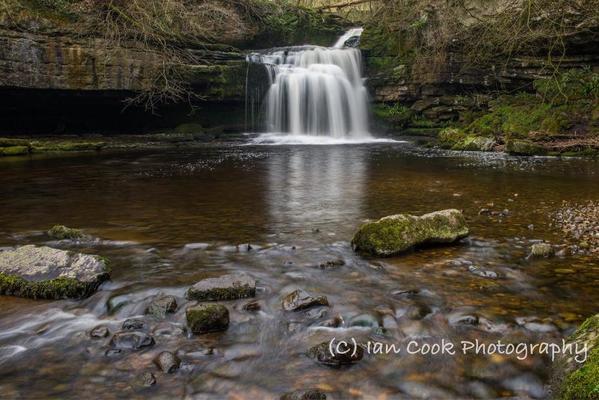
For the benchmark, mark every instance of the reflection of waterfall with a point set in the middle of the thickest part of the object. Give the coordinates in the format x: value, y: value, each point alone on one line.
x: 316, y: 90
x: 316, y: 185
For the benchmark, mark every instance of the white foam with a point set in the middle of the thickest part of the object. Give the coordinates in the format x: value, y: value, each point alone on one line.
x: 277, y: 139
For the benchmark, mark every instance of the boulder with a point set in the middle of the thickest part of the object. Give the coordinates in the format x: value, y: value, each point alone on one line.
x: 61, y: 232
x: 342, y: 355
x: 578, y: 378
x: 162, y: 305
x: 300, y: 300
x: 398, y: 233
x: 205, y: 318
x: 226, y: 287
x: 47, y: 273
x: 167, y: 362
x: 524, y: 148
x: 541, y: 250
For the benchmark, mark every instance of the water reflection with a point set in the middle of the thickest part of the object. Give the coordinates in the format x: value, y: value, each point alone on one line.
x: 308, y: 186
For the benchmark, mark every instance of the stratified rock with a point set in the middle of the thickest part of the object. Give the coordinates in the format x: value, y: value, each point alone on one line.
x: 47, y: 273
x: 226, y: 287
x: 342, y: 355
x: 162, y: 305
x: 541, y: 250
x: 99, y: 332
x: 301, y: 300
x: 305, y: 394
x: 578, y: 378
x: 133, y: 324
x: 205, y: 318
x: 61, y: 232
x: 398, y: 233
x: 131, y: 340
x: 167, y: 362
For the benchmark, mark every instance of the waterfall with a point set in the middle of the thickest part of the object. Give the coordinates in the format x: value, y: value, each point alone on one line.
x: 316, y: 91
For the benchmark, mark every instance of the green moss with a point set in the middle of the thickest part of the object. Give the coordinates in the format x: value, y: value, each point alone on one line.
x: 398, y: 115
x: 60, y: 288
x: 8, y: 142
x: 206, y: 318
x: 45, y: 147
x: 14, y: 151
x: 583, y: 383
x: 61, y: 232
x: 399, y: 233
x: 524, y: 148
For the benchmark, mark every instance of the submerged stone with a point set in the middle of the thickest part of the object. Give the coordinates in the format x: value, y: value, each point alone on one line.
x: 147, y: 379
x: 61, y: 232
x: 99, y: 332
x: 133, y: 324
x: 304, y: 394
x: 300, y: 300
x: 131, y: 340
x: 399, y: 233
x: 205, y: 318
x: 47, y: 273
x: 162, y: 305
x: 226, y: 287
x: 167, y: 362
x: 341, y: 355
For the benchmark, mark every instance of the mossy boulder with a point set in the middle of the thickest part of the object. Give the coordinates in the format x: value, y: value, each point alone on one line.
x: 524, y: 148
x: 399, y: 233
x: 226, y: 287
x: 575, y: 380
x: 61, y: 232
x: 205, y: 318
x: 47, y: 273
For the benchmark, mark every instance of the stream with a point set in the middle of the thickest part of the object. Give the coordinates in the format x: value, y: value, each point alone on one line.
x: 166, y: 220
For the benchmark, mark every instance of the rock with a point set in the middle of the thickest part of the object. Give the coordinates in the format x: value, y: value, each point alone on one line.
x: 331, y: 264
x: 307, y: 394
x: 99, y: 332
x: 205, y: 318
x: 131, y: 340
x: 483, y: 273
x: 364, y: 320
x: 167, y: 362
x: 252, y: 306
x: 334, y: 322
x: 524, y: 148
x: 168, y: 329
x: 61, y: 232
x: 301, y: 300
x: 541, y: 250
x: 47, y: 273
x: 342, y: 354
x: 162, y: 305
x: 577, y: 378
x: 226, y: 287
x: 147, y: 379
x: 133, y: 324
x: 398, y: 233
x: 418, y: 311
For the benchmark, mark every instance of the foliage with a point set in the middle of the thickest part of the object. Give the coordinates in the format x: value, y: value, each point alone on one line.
x: 398, y: 114
x: 574, y: 84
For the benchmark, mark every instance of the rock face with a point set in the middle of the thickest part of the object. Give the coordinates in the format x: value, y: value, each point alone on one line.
x: 47, y: 273
x: 226, y: 287
x: 573, y: 379
x: 206, y: 318
x: 342, y: 355
x: 301, y: 300
x: 398, y: 233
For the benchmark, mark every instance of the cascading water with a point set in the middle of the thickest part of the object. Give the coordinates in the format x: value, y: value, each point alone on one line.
x: 316, y: 91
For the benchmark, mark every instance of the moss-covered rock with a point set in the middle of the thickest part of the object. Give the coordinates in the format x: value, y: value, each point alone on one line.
x: 458, y: 139
x: 541, y: 250
x: 61, y: 232
x: 14, y: 151
x: 226, y: 287
x: 47, y: 273
x: 398, y: 233
x: 205, y: 318
x: 524, y: 148
x: 572, y: 379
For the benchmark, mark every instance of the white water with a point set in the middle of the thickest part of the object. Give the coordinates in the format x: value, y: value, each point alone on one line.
x: 316, y: 94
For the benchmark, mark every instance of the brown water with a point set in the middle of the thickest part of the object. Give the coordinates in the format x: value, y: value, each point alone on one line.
x: 298, y: 206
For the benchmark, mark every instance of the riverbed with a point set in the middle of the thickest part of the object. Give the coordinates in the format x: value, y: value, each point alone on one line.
x: 168, y: 219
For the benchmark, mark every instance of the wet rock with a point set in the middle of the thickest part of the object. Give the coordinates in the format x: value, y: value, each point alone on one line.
x: 541, y: 250
x: 483, y: 273
x: 577, y: 378
x: 205, y: 318
x: 131, y: 340
x: 398, y: 233
x: 147, y: 379
x: 167, y: 362
x: 168, y: 329
x: 133, y: 324
x: 364, y: 320
x: 47, y: 273
x: 113, y: 352
x: 335, y: 322
x: 406, y: 293
x: 301, y: 300
x: 331, y: 264
x: 463, y: 319
x: 99, y: 332
x: 162, y: 305
x: 306, y: 394
x: 341, y: 355
x: 252, y: 306
x: 418, y: 311
x: 61, y: 232
x: 524, y: 148
x: 226, y: 287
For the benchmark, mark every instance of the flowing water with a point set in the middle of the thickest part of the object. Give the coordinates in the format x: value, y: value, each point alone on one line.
x: 167, y: 220
x: 316, y: 91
